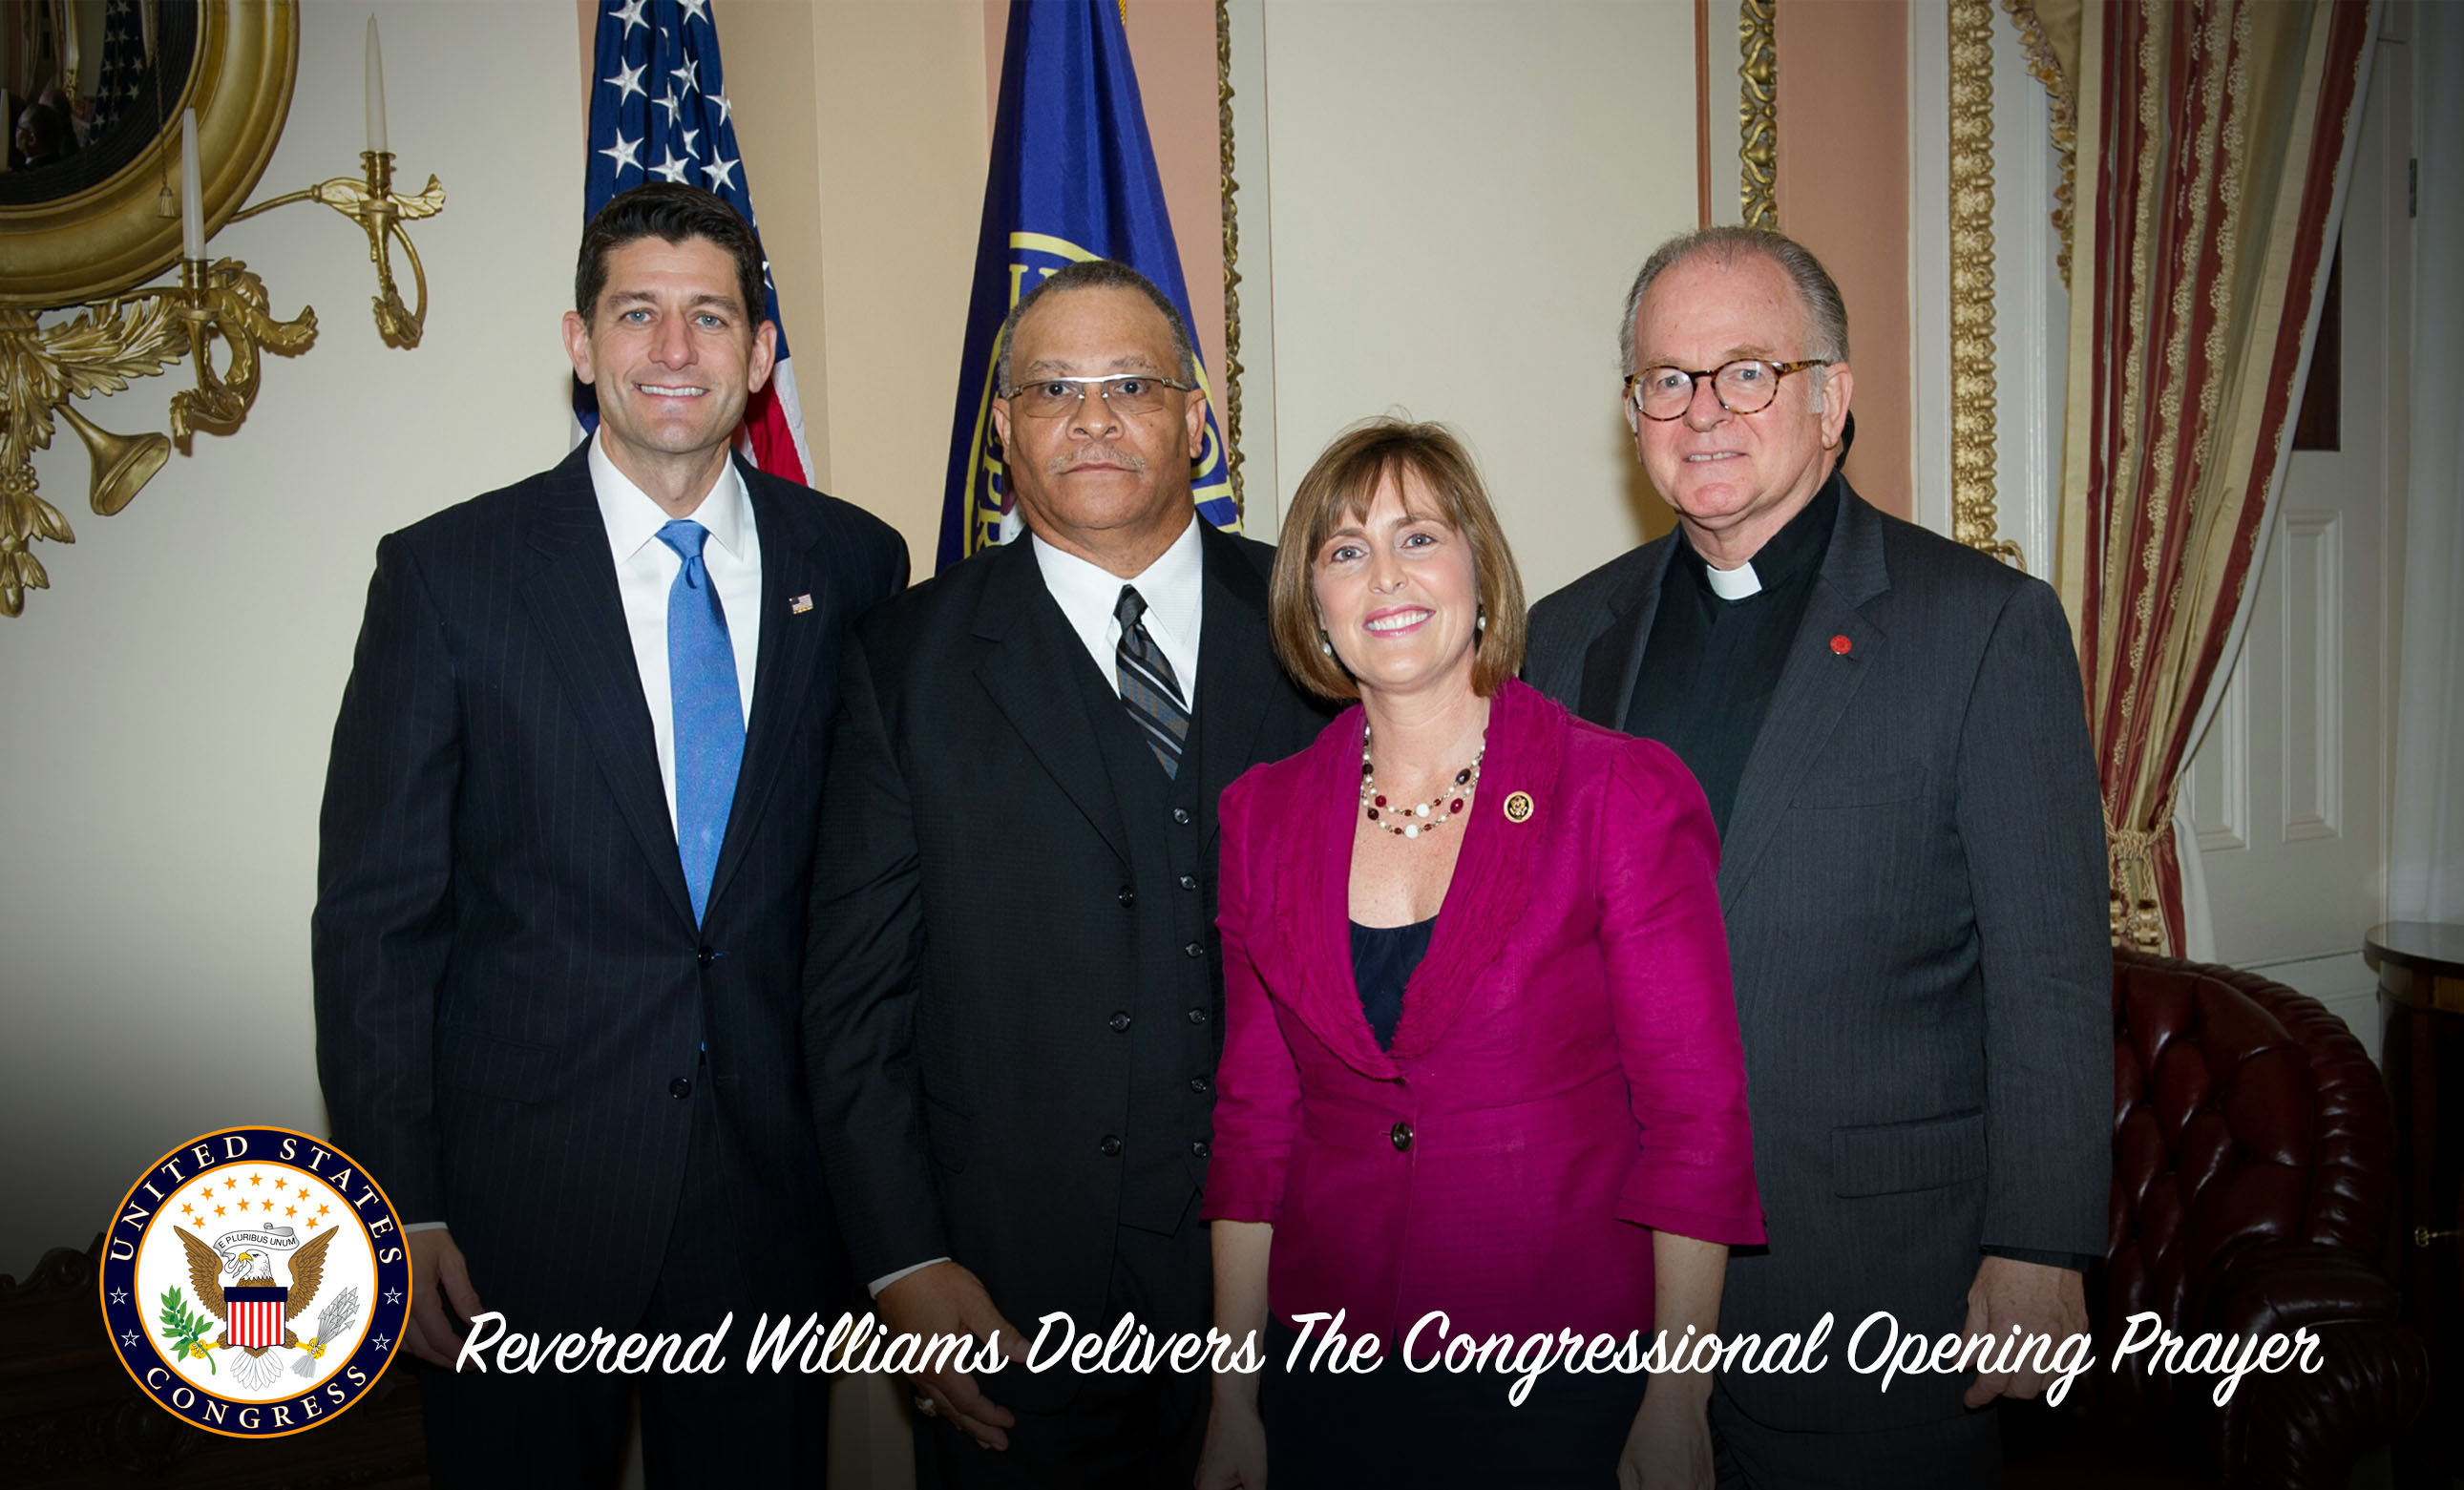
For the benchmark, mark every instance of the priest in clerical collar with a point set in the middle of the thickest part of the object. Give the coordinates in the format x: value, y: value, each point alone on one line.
x: 1889, y: 729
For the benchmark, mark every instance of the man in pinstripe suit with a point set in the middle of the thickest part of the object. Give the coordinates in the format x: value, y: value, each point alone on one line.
x: 567, y: 835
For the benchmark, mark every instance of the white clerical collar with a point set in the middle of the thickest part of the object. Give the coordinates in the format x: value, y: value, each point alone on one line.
x: 632, y: 519
x: 1734, y: 584
x: 1172, y: 587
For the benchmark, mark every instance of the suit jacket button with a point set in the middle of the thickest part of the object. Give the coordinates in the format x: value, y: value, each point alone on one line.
x: 1120, y: 1021
x: 1198, y: 1149
x: 1196, y: 1016
x: 681, y: 1087
x: 707, y: 956
x: 1111, y: 1146
x: 1196, y: 949
x: 1400, y: 1135
x: 1128, y: 897
x: 1199, y: 1084
x: 1189, y: 882
x: 1180, y: 814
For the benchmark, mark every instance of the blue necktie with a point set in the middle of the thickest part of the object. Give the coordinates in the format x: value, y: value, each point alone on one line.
x: 709, y: 711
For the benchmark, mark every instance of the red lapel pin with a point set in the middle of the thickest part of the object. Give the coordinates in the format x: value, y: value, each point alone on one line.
x: 1839, y: 645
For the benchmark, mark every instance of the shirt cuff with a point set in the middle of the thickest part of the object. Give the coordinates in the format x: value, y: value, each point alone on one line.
x: 875, y: 1287
x: 2076, y: 1262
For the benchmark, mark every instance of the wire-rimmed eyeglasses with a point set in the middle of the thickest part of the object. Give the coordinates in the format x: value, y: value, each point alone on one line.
x: 1124, y: 393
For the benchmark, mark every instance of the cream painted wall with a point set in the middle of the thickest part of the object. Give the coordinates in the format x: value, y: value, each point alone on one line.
x: 1457, y: 208
x: 862, y: 128
x: 171, y: 696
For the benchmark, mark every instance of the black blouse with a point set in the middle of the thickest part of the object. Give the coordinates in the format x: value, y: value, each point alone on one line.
x: 1382, y: 961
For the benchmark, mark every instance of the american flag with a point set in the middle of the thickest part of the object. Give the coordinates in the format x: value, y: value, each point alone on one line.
x: 123, y: 63
x: 255, y: 1315
x: 659, y: 111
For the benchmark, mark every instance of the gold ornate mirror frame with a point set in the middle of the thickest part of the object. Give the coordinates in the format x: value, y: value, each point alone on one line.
x: 112, y: 236
x: 95, y: 252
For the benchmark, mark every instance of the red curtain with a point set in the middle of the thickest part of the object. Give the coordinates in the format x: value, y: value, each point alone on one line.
x: 2213, y: 144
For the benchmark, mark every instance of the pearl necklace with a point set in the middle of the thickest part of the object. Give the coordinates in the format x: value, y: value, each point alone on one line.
x: 1410, y: 822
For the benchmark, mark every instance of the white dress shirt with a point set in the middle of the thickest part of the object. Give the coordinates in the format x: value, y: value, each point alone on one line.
x: 1174, y: 587
x: 646, y: 568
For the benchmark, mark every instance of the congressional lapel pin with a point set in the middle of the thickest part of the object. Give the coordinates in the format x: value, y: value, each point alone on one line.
x: 1840, y: 644
x: 1518, y: 807
x: 800, y: 605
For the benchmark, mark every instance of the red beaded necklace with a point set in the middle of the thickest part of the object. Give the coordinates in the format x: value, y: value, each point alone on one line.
x: 1412, y: 820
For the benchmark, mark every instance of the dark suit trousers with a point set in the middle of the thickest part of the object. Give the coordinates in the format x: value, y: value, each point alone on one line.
x: 1962, y: 1453
x: 548, y: 1429
x: 1120, y: 1431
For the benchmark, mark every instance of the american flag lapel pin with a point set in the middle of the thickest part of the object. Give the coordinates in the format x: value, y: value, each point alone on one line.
x: 800, y: 605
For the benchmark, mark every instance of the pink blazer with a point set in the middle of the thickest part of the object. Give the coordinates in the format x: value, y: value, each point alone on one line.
x: 1566, y: 1074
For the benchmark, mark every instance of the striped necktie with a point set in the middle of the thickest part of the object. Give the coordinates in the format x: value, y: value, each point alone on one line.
x: 1149, y: 691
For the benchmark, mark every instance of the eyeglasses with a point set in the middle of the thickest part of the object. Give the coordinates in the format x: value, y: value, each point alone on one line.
x: 1059, y: 398
x: 1745, y: 386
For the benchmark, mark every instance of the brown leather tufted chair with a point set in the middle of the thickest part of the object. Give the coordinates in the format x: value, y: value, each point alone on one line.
x: 2253, y: 1189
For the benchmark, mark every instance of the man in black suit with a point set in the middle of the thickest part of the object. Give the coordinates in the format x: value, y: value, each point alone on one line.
x: 1889, y: 729
x: 1013, y: 996
x: 567, y: 834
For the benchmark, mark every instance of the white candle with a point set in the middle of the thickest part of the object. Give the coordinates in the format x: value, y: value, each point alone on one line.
x: 376, y: 91
x: 192, y: 196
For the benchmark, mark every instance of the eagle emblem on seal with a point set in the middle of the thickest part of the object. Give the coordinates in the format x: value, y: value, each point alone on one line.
x: 236, y: 1283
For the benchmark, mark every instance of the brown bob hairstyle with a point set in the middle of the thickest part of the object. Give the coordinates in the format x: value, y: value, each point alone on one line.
x: 1340, y: 488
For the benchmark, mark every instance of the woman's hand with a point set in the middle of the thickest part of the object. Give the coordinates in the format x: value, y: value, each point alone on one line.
x: 1670, y: 1445
x: 1235, y: 1456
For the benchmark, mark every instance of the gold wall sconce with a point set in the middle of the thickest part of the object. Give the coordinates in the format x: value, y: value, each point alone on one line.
x: 85, y: 234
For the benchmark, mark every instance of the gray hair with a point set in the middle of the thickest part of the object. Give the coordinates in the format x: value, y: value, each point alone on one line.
x: 1826, y: 314
x: 1096, y: 274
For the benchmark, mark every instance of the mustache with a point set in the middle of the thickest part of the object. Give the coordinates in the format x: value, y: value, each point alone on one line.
x: 1095, y: 455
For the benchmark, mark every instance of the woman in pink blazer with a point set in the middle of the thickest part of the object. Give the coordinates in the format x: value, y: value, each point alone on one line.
x: 1480, y: 1074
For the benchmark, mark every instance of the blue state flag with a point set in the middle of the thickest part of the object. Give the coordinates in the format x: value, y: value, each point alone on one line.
x: 1072, y: 178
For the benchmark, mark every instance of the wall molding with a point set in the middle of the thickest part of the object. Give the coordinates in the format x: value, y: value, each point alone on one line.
x: 1929, y: 268
x: 2031, y: 313
x: 1758, y: 113
x: 1974, y: 412
x: 2062, y: 124
x: 2217, y: 785
x: 2312, y: 617
x: 1231, y: 258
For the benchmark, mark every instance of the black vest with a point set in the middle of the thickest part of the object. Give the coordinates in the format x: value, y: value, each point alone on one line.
x: 1173, y: 1017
